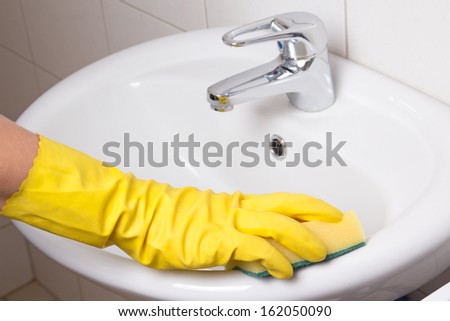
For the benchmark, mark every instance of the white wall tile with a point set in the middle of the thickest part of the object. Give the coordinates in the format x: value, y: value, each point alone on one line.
x: 127, y: 26
x: 405, y: 39
x: 237, y: 12
x: 15, y: 267
x: 60, y: 281
x: 188, y: 15
x: 65, y: 35
x: 91, y: 291
x: 18, y: 85
x: 12, y: 28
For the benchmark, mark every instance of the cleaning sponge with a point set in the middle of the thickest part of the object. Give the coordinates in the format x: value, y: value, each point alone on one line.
x: 339, y: 238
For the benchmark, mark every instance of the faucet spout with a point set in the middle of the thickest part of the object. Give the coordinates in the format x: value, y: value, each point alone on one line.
x: 307, y: 83
x: 242, y: 87
x: 301, y: 71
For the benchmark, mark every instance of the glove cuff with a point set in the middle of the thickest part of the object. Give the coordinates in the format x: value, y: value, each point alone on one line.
x: 68, y: 193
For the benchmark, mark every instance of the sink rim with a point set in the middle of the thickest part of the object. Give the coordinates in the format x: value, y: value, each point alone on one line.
x: 233, y: 285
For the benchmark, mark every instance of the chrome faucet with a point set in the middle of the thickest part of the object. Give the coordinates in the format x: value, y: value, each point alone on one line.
x: 301, y: 70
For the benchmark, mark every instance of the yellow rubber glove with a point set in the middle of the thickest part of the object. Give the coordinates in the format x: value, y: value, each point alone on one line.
x: 71, y: 194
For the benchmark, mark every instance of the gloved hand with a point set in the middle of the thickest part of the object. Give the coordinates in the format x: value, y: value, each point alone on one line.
x: 71, y: 194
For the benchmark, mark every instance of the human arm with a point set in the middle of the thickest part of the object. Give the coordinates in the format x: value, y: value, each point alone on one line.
x: 18, y: 149
x: 68, y: 193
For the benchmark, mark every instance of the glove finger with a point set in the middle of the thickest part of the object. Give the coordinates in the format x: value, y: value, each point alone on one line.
x: 284, y: 230
x: 298, y: 206
x: 253, y: 248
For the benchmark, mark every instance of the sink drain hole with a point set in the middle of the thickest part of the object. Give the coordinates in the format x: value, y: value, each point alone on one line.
x: 278, y: 147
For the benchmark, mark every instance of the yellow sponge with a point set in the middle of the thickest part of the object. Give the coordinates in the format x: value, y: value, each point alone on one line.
x: 339, y: 238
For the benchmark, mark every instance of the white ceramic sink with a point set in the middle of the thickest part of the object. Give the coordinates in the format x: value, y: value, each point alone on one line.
x: 397, y: 150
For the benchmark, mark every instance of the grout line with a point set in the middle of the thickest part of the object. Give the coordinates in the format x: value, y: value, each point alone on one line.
x: 30, y: 257
x: 151, y: 15
x: 205, y: 8
x: 49, y: 291
x: 33, y: 269
x: 29, y: 61
x: 16, y: 53
x: 47, y: 71
x: 102, y: 8
x: 18, y: 288
x: 80, y: 290
x: 33, y: 280
x: 30, y: 48
x: 346, y: 28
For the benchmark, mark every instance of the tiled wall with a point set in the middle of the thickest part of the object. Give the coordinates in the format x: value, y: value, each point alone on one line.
x: 43, y: 41
x: 15, y: 265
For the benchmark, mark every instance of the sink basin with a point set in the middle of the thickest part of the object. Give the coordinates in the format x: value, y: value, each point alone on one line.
x: 396, y: 148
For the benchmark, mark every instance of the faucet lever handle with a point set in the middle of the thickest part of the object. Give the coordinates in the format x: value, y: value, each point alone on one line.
x: 300, y: 35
